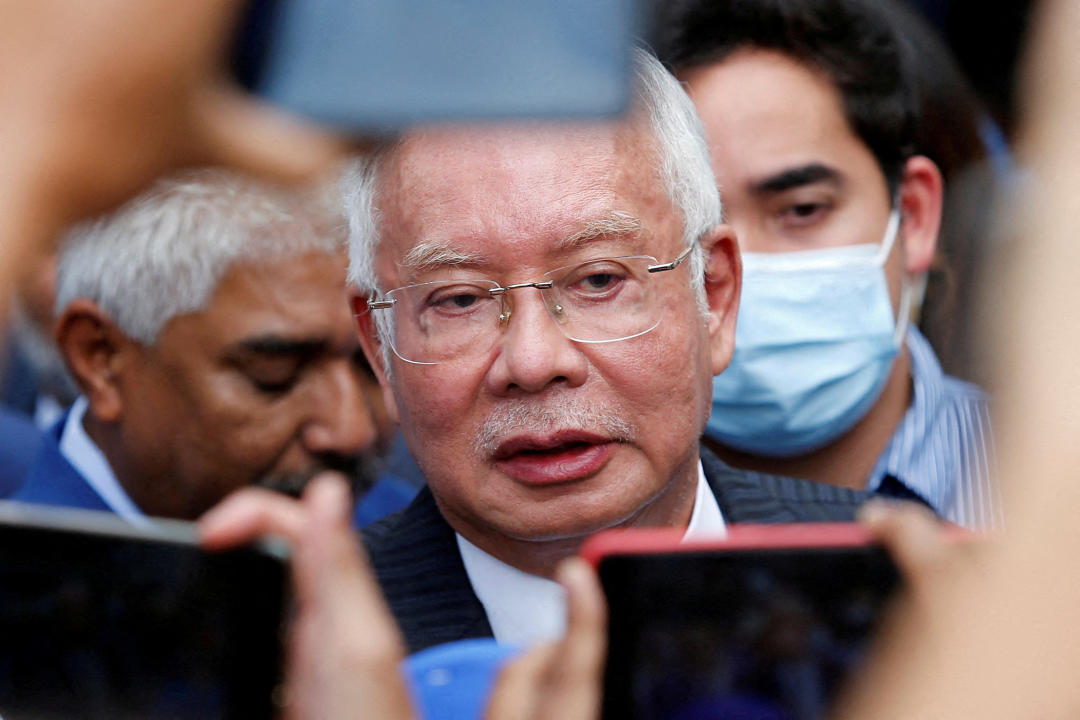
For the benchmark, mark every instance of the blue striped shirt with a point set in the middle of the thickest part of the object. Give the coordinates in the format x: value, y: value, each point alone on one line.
x: 943, y: 450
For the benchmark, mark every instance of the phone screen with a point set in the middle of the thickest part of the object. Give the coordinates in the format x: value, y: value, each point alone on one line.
x: 118, y: 625
x: 765, y: 634
x: 377, y: 65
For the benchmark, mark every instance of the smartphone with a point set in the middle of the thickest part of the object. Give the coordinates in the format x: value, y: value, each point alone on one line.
x: 100, y: 619
x: 371, y: 66
x: 764, y: 624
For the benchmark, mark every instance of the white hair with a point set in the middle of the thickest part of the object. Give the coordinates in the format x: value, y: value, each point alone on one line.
x: 683, y: 153
x: 164, y: 253
x: 684, y: 169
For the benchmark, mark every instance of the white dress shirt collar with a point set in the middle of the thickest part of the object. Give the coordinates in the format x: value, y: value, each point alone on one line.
x: 88, y: 460
x: 525, y: 609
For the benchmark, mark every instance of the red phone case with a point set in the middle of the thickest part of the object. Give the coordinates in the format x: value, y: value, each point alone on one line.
x: 657, y: 541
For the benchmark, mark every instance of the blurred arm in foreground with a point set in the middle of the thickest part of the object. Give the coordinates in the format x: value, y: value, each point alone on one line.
x: 99, y: 98
x: 1000, y: 638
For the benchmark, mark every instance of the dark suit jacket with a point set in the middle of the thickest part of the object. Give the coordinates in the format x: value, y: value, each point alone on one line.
x: 52, y: 480
x: 416, y: 558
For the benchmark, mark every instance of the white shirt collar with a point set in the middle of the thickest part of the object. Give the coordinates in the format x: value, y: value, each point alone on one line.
x: 47, y: 410
x: 525, y: 609
x: 706, y: 518
x: 87, y: 458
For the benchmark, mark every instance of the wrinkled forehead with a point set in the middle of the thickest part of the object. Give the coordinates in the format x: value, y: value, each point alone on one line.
x: 512, y: 188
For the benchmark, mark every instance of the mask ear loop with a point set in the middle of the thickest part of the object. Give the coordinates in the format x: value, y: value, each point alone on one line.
x: 891, y: 231
x: 903, y: 316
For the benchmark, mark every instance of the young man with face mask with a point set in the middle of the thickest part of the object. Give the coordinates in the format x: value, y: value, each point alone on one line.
x: 810, y: 117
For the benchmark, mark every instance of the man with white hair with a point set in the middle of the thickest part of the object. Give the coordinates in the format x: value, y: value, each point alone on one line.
x: 546, y: 307
x: 207, y: 325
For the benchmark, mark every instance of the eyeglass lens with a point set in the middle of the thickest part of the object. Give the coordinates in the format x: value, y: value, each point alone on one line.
x: 598, y: 301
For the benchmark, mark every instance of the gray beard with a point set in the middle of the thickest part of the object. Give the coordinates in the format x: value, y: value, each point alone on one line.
x: 360, y: 473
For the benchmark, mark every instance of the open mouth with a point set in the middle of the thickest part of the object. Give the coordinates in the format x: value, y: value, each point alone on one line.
x: 562, y: 457
x: 562, y: 447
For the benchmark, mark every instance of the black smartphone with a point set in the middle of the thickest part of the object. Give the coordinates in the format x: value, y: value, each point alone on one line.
x: 100, y: 619
x: 367, y: 66
x: 765, y: 624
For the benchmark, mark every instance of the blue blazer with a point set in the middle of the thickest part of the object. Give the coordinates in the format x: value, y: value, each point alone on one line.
x: 415, y: 554
x: 18, y: 381
x: 52, y: 480
x: 19, y: 441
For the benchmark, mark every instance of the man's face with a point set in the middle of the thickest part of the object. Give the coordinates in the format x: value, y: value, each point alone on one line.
x: 544, y: 438
x: 263, y: 386
x: 793, y: 174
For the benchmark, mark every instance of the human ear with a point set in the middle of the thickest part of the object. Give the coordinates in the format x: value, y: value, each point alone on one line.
x: 373, y: 349
x: 921, y: 198
x: 94, y: 350
x: 723, y: 281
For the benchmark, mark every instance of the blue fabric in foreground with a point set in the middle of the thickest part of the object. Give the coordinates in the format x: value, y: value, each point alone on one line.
x: 453, y: 681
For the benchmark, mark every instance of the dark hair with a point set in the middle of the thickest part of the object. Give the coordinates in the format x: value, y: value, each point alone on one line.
x: 849, y: 41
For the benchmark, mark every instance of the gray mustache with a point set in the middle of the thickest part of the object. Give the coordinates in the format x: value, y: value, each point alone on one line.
x: 552, y: 416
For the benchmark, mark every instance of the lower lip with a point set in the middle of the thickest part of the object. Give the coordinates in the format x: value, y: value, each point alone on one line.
x: 548, y: 468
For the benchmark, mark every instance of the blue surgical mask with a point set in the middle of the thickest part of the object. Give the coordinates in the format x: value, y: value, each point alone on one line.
x: 814, y: 344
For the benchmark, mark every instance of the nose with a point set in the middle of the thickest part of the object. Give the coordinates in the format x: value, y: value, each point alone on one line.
x: 341, y: 423
x: 534, y: 353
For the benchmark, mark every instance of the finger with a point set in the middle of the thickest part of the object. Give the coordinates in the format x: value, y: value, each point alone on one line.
x: 332, y: 570
x: 517, y: 691
x: 329, y: 560
x: 586, y: 635
x: 248, y: 514
x: 914, y: 537
x: 243, y: 132
x: 348, y: 648
x: 561, y: 681
x: 575, y: 676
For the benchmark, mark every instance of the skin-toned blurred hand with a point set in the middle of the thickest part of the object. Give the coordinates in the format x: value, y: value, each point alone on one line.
x: 100, y: 97
x: 1000, y: 638
x: 561, y: 681
x: 933, y: 561
x: 929, y: 553
x: 345, y: 649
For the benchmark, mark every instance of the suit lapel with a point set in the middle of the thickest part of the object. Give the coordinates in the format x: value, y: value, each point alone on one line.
x: 416, y: 559
x: 52, y: 480
x: 751, y: 497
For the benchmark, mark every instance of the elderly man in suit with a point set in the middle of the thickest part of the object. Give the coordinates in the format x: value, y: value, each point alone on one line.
x: 546, y: 307
x: 207, y: 325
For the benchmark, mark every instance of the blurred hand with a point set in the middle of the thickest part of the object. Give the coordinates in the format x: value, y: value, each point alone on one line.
x: 936, y: 562
x: 930, y: 553
x: 345, y: 649
x: 101, y: 97
x: 562, y: 681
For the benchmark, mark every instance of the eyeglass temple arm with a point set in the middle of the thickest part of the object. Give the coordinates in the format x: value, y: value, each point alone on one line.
x: 674, y: 263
